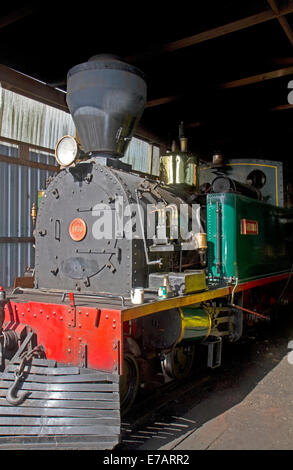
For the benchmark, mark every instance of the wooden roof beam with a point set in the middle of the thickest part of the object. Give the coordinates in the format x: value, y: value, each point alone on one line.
x: 282, y: 20
x: 15, y: 15
x: 164, y: 100
x: 281, y: 107
x: 258, y: 78
x: 31, y: 88
x: 231, y: 84
x: 213, y: 33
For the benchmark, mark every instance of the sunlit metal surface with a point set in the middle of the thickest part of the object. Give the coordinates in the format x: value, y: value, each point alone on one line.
x: 179, y: 169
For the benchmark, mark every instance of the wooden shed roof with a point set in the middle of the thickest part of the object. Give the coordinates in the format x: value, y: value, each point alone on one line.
x: 222, y: 67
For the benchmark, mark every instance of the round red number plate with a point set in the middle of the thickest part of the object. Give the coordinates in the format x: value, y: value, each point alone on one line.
x: 77, y: 229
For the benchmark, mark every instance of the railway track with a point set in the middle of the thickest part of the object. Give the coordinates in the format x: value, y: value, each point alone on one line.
x: 160, y: 413
x: 148, y: 416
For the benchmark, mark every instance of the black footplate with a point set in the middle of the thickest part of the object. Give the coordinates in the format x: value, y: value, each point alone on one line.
x: 65, y: 407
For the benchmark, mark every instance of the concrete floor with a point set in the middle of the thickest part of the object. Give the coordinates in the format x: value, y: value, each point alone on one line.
x: 247, y: 404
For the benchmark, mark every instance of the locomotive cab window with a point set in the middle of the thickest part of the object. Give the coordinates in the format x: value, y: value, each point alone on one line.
x: 257, y: 178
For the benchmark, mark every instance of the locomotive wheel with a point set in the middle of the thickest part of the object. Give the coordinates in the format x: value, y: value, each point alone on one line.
x: 178, y: 363
x: 129, y: 383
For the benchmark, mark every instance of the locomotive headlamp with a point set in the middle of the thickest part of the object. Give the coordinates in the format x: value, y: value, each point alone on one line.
x: 66, y: 150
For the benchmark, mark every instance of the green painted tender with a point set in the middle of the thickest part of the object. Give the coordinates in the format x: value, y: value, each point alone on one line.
x: 247, y: 238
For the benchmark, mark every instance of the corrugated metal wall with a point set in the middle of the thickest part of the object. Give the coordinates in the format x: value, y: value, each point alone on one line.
x: 156, y: 161
x: 29, y: 121
x: 32, y: 122
x: 19, y: 189
x: 137, y: 155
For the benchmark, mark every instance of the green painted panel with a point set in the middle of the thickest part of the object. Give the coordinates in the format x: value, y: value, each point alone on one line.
x: 255, y: 237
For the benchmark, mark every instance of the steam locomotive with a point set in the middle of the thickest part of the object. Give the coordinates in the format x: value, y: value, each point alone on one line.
x: 133, y: 274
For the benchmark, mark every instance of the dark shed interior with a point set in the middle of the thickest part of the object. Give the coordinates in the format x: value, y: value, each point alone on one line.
x: 222, y: 67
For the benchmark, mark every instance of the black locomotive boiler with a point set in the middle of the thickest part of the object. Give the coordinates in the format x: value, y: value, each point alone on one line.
x: 132, y: 273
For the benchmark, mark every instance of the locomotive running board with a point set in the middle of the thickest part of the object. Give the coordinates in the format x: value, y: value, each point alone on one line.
x: 67, y: 408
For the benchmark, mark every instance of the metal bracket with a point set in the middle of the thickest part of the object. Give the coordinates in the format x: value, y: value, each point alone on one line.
x: 214, y: 352
x: 82, y: 354
x: 72, y: 310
